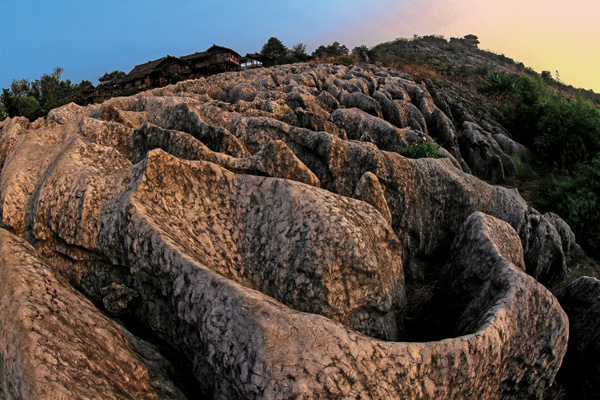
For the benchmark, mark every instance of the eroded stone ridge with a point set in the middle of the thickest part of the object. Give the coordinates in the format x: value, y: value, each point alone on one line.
x: 57, y: 345
x: 259, y: 224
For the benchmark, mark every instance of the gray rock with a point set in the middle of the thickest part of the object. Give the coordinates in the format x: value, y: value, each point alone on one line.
x: 189, y: 197
x: 358, y: 124
x: 370, y: 191
x: 55, y: 344
x: 362, y: 102
x: 265, y: 233
x: 327, y: 102
x: 118, y: 298
x: 483, y: 155
x: 511, y: 147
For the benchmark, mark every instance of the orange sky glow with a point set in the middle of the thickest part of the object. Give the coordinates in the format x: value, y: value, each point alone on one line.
x: 561, y: 36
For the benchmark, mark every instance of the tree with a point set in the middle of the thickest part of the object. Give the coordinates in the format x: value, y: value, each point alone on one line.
x: 363, y: 53
x: 320, y: 52
x: 336, y: 50
x: 35, y: 99
x: 299, y: 52
x: 274, y: 50
x: 546, y: 75
x: 333, y: 50
x: 9, y: 100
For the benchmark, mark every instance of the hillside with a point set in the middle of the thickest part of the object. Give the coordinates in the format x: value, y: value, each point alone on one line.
x: 300, y: 231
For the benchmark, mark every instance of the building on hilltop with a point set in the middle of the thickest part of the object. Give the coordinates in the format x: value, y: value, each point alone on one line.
x: 468, y: 40
x: 169, y: 69
x: 155, y: 73
x: 252, y: 60
x: 214, y: 60
x: 472, y: 40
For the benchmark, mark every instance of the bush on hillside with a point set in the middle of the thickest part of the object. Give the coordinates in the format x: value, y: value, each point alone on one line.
x: 422, y: 150
x: 576, y: 199
x: 563, y: 131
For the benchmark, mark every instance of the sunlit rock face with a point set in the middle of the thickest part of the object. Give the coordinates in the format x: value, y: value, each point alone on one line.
x: 260, y: 229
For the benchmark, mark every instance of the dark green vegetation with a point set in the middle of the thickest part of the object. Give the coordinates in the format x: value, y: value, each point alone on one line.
x: 34, y: 99
x: 422, y: 150
x: 276, y: 53
x: 564, y: 134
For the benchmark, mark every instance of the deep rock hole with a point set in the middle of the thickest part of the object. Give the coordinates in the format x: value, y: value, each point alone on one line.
x: 426, y: 317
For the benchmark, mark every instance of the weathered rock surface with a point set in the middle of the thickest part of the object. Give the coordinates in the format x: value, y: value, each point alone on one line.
x: 258, y: 226
x: 580, y: 370
x: 483, y: 154
x: 57, y: 345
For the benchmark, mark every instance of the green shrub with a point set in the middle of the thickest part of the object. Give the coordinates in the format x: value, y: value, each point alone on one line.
x: 500, y: 83
x: 562, y: 131
x: 347, y: 61
x: 422, y: 149
x: 524, y: 168
x: 576, y: 199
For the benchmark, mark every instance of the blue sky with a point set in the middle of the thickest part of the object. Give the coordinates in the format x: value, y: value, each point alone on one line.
x: 89, y: 38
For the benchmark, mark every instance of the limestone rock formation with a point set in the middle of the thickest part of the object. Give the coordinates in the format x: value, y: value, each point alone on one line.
x: 260, y: 226
x: 57, y: 345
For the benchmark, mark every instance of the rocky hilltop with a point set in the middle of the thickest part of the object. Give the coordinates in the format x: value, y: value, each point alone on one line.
x: 263, y: 234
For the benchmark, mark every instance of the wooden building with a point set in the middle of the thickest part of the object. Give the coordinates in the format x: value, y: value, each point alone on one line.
x: 472, y: 40
x: 214, y: 60
x: 252, y: 60
x: 155, y: 73
x: 169, y: 69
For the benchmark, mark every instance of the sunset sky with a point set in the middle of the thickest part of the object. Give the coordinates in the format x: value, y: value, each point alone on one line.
x: 90, y: 38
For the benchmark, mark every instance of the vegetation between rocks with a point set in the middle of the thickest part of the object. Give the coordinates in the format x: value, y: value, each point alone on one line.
x: 564, y: 133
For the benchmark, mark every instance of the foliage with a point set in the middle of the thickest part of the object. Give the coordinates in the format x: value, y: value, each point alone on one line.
x: 274, y: 50
x: 546, y: 75
x: 422, y: 149
x: 563, y: 131
x: 333, y: 50
x: 299, y: 52
x: 432, y: 39
x: 499, y: 83
x: 524, y: 168
x: 111, y: 80
x: 576, y: 199
x: 347, y: 61
x: 363, y: 53
x: 35, y: 99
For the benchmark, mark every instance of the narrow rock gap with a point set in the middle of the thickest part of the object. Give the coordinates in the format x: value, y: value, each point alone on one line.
x: 182, y: 375
x: 424, y: 317
x: 89, y: 285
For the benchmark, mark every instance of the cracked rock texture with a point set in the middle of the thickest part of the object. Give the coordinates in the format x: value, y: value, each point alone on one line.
x: 57, y: 345
x: 258, y: 223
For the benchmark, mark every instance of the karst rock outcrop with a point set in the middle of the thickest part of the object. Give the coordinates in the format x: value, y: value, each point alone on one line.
x: 250, y: 235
